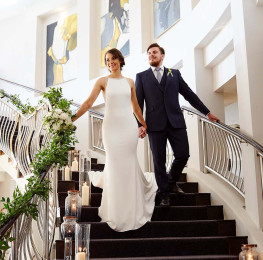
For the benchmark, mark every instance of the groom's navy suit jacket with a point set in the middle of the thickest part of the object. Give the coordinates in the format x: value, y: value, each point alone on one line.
x: 162, y: 100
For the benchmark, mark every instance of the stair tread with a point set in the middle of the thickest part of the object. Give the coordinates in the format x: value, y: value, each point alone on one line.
x: 202, y: 228
x: 161, y: 239
x: 169, y: 238
x: 192, y: 257
x: 170, y: 246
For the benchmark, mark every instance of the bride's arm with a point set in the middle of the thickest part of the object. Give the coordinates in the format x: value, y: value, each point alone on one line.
x: 91, y: 99
x: 135, y: 106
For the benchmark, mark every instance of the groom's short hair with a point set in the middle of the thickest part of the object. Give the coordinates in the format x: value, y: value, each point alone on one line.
x: 158, y: 46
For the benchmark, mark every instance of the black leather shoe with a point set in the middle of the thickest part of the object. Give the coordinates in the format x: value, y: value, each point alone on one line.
x: 177, y: 189
x: 165, y: 202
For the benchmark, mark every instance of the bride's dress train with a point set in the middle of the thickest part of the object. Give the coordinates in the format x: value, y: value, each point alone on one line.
x: 128, y: 196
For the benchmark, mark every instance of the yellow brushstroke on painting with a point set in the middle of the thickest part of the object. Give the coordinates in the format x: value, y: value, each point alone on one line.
x: 122, y: 2
x: 58, y: 74
x: 112, y: 43
x: 70, y: 31
x: 69, y: 34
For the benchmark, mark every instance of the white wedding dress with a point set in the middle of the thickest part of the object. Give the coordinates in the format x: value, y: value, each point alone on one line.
x: 128, y: 196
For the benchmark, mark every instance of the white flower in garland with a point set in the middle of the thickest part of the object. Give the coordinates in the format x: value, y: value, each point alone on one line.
x: 58, y: 120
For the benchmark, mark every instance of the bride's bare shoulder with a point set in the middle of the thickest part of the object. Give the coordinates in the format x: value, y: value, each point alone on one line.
x: 131, y: 81
x: 102, y: 81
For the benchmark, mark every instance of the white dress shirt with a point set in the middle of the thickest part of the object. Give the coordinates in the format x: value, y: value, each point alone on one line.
x: 155, y: 72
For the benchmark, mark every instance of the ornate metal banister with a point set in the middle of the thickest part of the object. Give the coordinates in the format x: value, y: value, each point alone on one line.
x: 20, y: 136
x: 22, y: 227
x: 222, y: 154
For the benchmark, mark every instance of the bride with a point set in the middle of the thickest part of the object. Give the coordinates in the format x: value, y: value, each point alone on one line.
x: 128, y: 193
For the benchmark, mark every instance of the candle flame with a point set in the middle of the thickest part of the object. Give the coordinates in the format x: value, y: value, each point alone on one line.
x: 80, y: 249
x: 85, y: 184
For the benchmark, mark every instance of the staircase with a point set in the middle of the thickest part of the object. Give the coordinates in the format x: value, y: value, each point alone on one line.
x: 189, y: 229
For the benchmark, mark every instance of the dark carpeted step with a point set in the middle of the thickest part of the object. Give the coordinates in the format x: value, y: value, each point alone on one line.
x: 173, y: 213
x: 94, y: 160
x: 163, y: 229
x: 145, y: 247
x: 187, y: 199
x: 188, y: 187
x: 190, y: 257
x: 62, y: 187
x: 192, y: 228
x: 65, y: 186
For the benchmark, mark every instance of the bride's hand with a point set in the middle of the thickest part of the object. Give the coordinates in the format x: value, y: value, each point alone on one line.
x: 142, y: 132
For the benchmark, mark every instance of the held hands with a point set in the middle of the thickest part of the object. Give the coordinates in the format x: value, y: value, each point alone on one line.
x: 212, y: 118
x: 142, y: 132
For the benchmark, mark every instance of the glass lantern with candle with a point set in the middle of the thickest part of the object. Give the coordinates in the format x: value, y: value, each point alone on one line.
x: 87, y: 162
x: 82, y: 239
x: 68, y: 248
x: 68, y: 226
x: 67, y: 175
x: 249, y: 252
x: 73, y: 204
x: 73, y: 155
x: 85, y: 188
x: 75, y: 165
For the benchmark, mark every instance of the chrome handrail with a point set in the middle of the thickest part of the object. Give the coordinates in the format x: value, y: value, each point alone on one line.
x: 20, y: 135
x: 22, y: 227
x: 225, y: 157
x: 30, y: 89
x: 20, y: 139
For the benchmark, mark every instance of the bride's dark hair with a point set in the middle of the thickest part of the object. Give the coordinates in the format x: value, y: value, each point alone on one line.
x: 116, y: 54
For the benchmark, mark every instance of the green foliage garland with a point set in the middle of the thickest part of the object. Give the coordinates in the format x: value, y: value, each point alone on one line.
x: 59, y: 124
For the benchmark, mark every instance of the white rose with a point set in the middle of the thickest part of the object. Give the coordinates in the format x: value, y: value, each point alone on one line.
x: 56, y: 127
x: 58, y: 111
x: 68, y: 120
x: 64, y: 116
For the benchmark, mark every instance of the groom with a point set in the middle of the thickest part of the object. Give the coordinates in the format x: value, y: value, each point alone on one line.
x: 159, y: 88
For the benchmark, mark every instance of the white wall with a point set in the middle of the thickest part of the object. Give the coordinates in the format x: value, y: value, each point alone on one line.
x: 7, y: 186
x: 231, y: 114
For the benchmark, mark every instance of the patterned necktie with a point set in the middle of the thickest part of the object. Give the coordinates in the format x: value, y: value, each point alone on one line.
x: 158, y: 74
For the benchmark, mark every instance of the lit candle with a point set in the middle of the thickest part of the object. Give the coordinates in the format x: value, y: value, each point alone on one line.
x: 73, y: 209
x: 85, y: 194
x: 68, y: 248
x: 75, y: 165
x: 81, y: 255
x: 67, y: 174
x: 249, y: 256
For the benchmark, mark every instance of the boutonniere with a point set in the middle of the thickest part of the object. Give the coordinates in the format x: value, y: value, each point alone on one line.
x: 170, y: 72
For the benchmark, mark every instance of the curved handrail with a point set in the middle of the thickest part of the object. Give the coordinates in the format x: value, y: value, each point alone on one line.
x: 226, y: 128
x: 31, y: 89
x: 6, y: 226
x: 20, y: 138
x: 222, y: 151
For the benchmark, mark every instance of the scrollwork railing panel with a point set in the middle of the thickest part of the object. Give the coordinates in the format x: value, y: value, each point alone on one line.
x: 21, y: 137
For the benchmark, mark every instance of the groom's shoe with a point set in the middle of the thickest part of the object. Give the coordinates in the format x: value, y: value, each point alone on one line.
x: 165, y: 202
x: 176, y: 189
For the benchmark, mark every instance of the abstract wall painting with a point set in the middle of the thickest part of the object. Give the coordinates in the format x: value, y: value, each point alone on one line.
x: 166, y: 13
x: 115, y: 29
x: 61, y: 58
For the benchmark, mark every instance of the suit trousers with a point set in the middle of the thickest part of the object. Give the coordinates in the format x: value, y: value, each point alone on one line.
x: 178, y: 140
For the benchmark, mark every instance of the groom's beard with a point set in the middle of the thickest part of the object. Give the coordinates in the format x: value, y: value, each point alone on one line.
x: 155, y: 63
